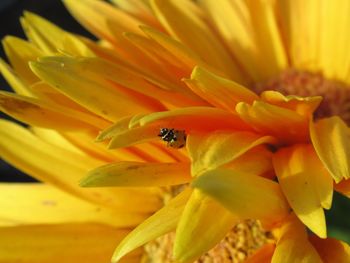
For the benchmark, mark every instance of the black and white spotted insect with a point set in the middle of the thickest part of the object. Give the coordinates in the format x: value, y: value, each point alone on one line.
x: 174, y: 138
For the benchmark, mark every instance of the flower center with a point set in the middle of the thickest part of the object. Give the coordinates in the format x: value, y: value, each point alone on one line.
x: 336, y: 94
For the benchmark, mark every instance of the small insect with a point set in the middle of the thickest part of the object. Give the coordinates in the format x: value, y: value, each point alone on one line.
x: 174, y: 138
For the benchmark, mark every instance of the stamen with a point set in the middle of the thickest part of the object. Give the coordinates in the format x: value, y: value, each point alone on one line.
x: 336, y: 94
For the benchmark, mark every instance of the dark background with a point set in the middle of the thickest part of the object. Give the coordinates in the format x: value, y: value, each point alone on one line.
x: 338, y: 218
x: 10, y: 12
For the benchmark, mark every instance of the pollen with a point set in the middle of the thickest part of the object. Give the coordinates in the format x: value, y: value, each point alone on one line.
x: 242, y: 241
x: 335, y: 94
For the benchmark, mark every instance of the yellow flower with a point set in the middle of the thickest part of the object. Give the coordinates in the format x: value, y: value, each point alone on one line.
x: 169, y: 73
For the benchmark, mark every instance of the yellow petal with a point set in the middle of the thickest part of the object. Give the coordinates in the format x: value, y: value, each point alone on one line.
x: 138, y: 174
x: 64, y: 169
x: 66, y: 75
x: 331, y: 141
x: 293, y: 246
x: 301, y: 177
x: 263, y: 255
x: 195, y: 118
x: 85, y: 142
x: 19, y: 53
x: 299, y: 14
x: 42, y: 114
x: 331, y: 250
x: 50, y: 38
x: 55, y: 138
x: 182, y: 53
x: 212, y: 150
x: 191, y: 30
x: 68, y: 243
x: 96, y: 16
x: 245, y: 195
x: 260, y: 156
x: 37, y: 203
x: 15, y: 82
x: 139, y: 9
x: 162, y: 222
x: 302, y: 105
x: 218, y: 91
x: 284, y: 124
x: 199, y: 229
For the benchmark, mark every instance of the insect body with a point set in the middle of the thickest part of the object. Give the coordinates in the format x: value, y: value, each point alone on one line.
x: 174, y: 138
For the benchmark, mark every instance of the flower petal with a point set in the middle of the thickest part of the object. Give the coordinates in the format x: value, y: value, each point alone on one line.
x: 212, y: 150
x: 50, y: 38
x: 293, y: 245
x: 284, y: 124
x: 64, y: 169
x: 301, y: 176
x: 19, y: 53
x: 97, y: 15
x: 138, y: 174
x: 330, y: 138
x: 331, y: 250
x: 69, y: 243
x: 218, y: 91
x: 263, y: 255
x: 191, y: 30
x: 98, y: 95
x: 304, y: 106
x: 37, y: 203
x: 15, y: 82
x: 43, y: 114
x: 199, y: 229
x: 245, y: 195
x: 195, y: 118
x: 162, y: 222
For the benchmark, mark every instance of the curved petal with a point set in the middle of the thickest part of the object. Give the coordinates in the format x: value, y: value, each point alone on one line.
x: 220, y: 92
x: 162, y: 222
x: 293, y: 245
x: 246, y: 196
x: 331, y: 250
x: 302, y: 176
x: 263, y: 255
x: 212, y: 150
x: 199, y: 229
x: 330, y: 138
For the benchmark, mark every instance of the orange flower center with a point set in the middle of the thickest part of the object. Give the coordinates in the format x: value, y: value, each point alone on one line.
x: 335, y: 94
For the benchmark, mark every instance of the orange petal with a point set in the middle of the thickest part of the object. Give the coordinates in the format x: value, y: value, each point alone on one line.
x: 343, y: 187
x: 284, y: 124
x: 218, y: 91
x: 306, y: 185
x: 330, y: 138
x: 263, y: 255
x: 302, y: 105
x: 212, y: 150
x: 331, y: 250
x: 195, y: 118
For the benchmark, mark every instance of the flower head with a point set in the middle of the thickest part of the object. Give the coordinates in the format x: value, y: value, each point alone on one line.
x: 213, y: 112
